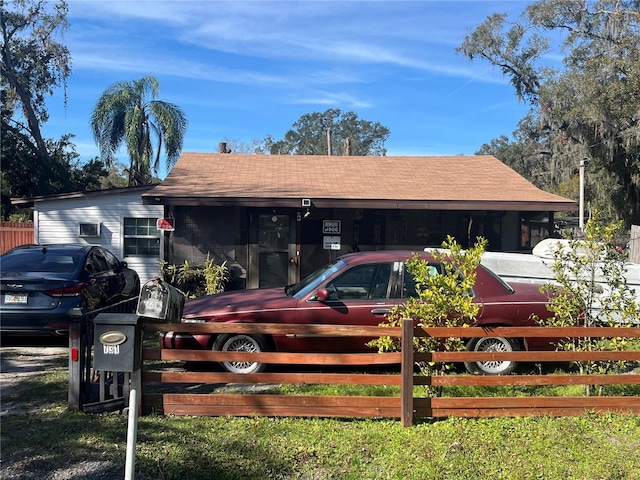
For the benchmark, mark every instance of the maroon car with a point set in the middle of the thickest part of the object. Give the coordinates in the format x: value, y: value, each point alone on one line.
x: 355, y: 289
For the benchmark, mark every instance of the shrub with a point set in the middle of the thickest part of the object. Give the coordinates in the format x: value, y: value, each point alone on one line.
x: 590, y: 290
x: 443, y: 300
x: 196, y: 281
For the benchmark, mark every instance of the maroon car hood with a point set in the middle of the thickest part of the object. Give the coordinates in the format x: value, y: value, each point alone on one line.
x: 238, y: 302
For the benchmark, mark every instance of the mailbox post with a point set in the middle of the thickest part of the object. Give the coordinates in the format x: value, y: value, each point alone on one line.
x: 117, y: 347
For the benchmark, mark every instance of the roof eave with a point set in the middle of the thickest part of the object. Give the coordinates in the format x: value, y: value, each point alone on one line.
x: 29, y: 202
x: 150, y: 199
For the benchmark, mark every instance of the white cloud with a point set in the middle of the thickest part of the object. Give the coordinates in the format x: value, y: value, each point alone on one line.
x: 412, y: 35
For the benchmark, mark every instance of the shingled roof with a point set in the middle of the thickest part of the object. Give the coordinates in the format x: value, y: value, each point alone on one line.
x: 480, y: 182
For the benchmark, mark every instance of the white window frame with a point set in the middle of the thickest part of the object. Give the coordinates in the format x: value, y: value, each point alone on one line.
x: 152, y: 234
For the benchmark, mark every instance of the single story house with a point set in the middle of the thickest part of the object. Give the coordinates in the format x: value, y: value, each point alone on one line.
x: 277, y: 218
x: 114, y: 218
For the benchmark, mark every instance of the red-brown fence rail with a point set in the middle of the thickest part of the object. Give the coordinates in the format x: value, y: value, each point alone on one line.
x: 13, y: 234
x: 406, y: 406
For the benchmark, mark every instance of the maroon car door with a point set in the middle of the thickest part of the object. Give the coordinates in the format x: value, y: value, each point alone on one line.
x: 358, y: 296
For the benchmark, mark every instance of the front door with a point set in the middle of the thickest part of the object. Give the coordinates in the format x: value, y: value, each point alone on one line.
x: 276, y: 249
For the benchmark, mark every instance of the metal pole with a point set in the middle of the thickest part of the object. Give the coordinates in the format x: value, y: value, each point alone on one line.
x: 133, y: 411
x: 132, y: 430
x: 583, y: 164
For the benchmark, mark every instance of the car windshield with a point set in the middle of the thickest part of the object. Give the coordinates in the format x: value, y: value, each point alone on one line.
x: 314, y: 280
x: 40, y: 260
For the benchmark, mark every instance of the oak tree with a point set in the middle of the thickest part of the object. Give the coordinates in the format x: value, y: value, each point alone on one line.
x: 587, y: 107
x: 333, y: 133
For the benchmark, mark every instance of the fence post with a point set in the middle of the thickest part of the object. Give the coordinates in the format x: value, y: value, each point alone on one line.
x: 406, y: 373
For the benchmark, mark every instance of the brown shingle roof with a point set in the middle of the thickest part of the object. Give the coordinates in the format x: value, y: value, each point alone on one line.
x: 453, y: 182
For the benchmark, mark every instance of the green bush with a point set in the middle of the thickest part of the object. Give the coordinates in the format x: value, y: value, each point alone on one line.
x: 196, y: 281
x: 589, y: 289
x: 444, y: 300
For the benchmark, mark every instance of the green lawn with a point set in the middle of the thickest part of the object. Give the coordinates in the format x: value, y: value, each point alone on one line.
x: 590, y: 447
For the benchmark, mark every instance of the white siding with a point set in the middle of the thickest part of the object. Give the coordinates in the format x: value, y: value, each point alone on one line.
x: 57, y: 221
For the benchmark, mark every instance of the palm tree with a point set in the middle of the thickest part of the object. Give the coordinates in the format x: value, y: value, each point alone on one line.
x: 124, y: 113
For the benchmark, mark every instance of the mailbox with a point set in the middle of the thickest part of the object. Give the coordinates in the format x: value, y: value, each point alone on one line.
x: 117, y: 342
x: 161, y: 301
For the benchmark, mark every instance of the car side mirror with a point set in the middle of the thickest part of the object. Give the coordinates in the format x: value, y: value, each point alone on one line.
x: 322, y: 294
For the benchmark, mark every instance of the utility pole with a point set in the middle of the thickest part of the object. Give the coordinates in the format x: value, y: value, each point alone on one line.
x: 583, y: 164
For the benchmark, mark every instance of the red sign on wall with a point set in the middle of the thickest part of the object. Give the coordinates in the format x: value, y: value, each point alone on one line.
x: 165, y: 224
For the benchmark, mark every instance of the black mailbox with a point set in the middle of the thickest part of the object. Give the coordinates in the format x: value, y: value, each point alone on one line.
x: 117, y: 342
x: 160, y: 300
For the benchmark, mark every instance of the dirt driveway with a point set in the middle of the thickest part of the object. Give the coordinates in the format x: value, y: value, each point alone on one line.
x: 21, y: 360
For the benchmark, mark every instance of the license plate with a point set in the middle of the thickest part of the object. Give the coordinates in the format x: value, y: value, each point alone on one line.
x: 20, y: 298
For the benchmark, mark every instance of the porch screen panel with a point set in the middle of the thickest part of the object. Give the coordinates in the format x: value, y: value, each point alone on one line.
x: 273, y: 250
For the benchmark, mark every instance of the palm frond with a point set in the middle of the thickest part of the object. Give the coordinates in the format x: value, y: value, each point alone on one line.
x: 129, y: 113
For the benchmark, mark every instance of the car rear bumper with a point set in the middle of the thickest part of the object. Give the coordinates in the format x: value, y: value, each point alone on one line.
x: 43, y: 323
x: 49, y: 331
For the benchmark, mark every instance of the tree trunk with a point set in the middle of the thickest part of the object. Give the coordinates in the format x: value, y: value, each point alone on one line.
x: 29, y: 113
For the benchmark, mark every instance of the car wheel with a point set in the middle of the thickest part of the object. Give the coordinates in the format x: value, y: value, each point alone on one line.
x: 241, y: 343
x: 492, y: 344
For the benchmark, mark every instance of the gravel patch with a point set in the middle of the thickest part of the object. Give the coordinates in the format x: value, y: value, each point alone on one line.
x: 17, y: 364
x: 88, y: 470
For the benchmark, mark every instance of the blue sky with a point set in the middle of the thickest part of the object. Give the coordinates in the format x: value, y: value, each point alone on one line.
x: 243, y: 70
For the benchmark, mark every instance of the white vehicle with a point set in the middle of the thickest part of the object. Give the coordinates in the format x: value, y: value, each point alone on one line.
x: 537, y: 267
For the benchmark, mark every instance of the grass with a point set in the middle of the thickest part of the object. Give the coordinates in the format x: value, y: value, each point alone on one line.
x: 594, y: 446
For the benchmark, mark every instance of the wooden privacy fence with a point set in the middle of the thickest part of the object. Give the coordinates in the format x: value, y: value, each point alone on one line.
x: 406, y: 406
x: 13, y: 234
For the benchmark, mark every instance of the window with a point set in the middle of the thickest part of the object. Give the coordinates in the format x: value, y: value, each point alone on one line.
x: 362, y: 282
x: 141, y: 237
x: 409, y: 281
x: 112, y: 262
x: 89, y: 229
x: 96, y: 263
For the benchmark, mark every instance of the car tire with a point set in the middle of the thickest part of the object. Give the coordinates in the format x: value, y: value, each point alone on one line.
x: 241, y: 343
x: 492, y: 344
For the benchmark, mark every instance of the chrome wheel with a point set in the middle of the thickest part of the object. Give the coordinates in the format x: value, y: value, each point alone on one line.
x: 240, y: 343
x: 492, y: 344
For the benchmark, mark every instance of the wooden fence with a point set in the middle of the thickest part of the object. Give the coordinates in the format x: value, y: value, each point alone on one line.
x: 406, y: 406
x: 13, y: 234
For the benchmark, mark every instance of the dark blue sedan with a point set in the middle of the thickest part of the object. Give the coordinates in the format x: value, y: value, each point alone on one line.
x: 40, y: 284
